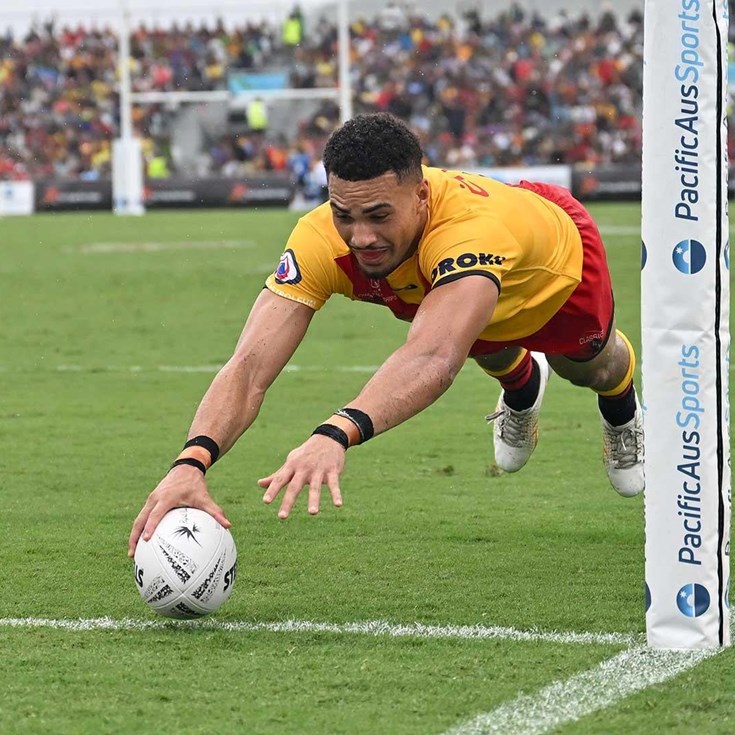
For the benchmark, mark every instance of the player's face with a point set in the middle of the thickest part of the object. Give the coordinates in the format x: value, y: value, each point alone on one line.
x: 380, y: 219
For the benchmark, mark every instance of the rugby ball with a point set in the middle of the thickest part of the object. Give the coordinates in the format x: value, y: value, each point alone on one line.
x: 188, y: 568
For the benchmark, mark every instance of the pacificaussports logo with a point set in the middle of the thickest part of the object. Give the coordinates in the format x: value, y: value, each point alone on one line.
x: 689, y: 256
x: 288, y: 269
x: 692, y: 600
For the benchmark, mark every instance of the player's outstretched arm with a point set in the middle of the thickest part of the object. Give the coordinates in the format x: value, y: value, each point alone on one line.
x: 448, y: 322
x: 273, y: 331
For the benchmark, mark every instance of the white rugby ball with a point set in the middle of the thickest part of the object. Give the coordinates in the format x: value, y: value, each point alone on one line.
x: 188, y: 568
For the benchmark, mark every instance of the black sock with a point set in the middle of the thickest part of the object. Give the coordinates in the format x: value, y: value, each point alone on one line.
x: 618, y: 410
x: 523, y: 398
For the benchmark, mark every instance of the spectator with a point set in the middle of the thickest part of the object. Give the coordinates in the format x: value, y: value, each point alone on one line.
x: 516, y: 89
x: 293, y: 28
x: 157, y: 167
x: 256, y: 114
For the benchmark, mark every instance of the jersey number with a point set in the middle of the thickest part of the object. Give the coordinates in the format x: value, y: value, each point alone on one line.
x: 472, y: 188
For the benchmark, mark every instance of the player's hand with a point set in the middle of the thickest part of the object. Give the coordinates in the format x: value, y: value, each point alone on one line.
x: 182, y: 486
x: 318, y: 461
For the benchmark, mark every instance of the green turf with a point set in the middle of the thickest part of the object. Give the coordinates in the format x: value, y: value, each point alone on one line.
x: 90, y: 418
x: 213, y: 682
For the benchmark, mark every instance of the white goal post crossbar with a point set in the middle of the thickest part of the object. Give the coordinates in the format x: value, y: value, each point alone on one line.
x: 128, y: 182
x: 223, y: 95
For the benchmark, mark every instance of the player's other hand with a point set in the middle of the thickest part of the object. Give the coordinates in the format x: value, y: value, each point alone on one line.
x: 182, y: 486
x: 318, y: 461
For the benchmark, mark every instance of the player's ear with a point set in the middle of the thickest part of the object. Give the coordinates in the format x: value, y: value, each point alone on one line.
x: 422, y: 193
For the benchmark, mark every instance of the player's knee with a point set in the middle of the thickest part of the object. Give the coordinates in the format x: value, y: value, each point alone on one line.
x: 584, y: 375
x: 498, y: 363
x: 594, y: 379
x: 581, y: 381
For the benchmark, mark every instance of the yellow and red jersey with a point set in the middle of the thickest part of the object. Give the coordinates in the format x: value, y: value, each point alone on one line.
x: 527, y: 245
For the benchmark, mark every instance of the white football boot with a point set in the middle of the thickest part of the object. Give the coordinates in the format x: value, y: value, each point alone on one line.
x: 515, y: 433
x: 622, y: 453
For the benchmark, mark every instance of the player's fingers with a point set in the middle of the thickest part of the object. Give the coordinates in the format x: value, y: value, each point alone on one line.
x: 334, y: 489
x: 137, y: 529
x: 217, y: 513
x: 265, y: 481
x: 277, y: 481
x: 289, y: 497
x: 158, y: 512
x: 315, y: 491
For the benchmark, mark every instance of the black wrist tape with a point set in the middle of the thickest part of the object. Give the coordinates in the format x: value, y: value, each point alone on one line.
x: 360, y: 419
x: 207, y: 443
x: 333, y: 432
x: 190, y: 461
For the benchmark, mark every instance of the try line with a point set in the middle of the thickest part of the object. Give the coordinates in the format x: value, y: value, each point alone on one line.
x: 377, y: 628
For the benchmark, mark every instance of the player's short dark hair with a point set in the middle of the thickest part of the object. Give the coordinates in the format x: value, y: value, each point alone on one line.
x: 371, y: 145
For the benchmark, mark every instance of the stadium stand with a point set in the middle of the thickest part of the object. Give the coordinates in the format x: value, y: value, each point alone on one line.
x: 514, y: 89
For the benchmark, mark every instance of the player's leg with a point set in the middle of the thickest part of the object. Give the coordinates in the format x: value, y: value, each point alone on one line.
x: 523, y: 377
x: 610, y: 374
x: 595, y: 354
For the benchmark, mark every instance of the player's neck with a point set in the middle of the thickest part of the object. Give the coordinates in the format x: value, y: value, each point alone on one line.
x: 420, y: 232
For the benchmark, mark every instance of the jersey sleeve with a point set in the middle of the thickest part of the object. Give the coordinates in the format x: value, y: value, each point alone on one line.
x: 306, y: 271
x: 455, y: 250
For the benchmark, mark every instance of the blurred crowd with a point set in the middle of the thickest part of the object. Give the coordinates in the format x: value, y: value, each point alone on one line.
x: 513, y: 89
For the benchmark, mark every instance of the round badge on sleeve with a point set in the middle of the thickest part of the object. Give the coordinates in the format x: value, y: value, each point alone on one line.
x: 288, y: 269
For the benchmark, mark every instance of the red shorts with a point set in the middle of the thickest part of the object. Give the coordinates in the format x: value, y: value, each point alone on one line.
x: 581, y: 327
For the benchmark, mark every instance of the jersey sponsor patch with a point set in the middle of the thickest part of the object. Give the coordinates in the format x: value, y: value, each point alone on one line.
x: 288, y: 269
x: 464, y: 262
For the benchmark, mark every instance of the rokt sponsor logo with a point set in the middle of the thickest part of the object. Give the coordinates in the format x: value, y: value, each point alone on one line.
x: 464, y: 261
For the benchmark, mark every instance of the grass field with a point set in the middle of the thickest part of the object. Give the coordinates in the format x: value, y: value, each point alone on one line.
x: 112, y: 330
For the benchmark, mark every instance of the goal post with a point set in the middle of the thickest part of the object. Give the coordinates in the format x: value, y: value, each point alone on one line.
x: 128, y: 173
x: 685, y: 324
x: 127, y: 154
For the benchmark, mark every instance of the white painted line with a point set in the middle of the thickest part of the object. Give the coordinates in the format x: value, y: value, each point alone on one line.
x: 104, y: 248
x: 335, y: 368
x: 370, y: 628
x: 621, y: 230
x: 264, y: 269
x: 613, y: 230
x: 186, y: 369
x: 209, y: 369
x: 568, y: 701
